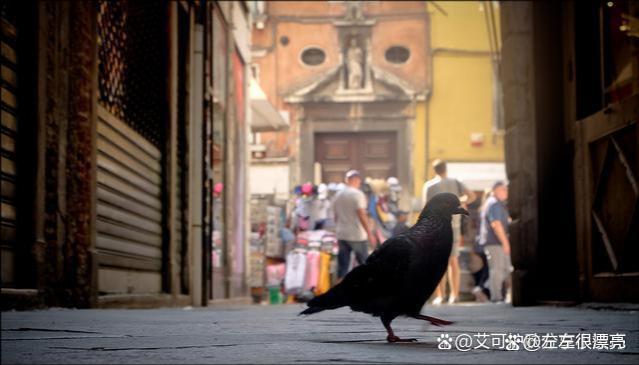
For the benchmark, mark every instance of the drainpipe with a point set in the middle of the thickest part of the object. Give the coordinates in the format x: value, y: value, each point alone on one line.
x: 196, y: 130
x: 430, y: 90
x: 230, y: 121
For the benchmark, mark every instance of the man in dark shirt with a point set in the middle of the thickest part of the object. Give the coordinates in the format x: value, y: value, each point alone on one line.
x: 493, y: 237
x: 400, y: 226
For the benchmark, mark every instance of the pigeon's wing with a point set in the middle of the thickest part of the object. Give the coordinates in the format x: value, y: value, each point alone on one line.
x: 376, y: 284
x: 393, y: 251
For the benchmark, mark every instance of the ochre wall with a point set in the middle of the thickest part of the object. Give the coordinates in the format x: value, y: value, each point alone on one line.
x: 462, y: 97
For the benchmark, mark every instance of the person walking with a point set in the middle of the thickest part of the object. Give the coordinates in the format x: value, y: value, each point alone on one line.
x: 493, y: 237
x: 444, y: 184
x: 321, y: 207
x: 478, y: 260
x: 352, y: 230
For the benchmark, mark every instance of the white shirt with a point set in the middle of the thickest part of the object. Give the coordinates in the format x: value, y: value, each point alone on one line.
x: 345, y: 206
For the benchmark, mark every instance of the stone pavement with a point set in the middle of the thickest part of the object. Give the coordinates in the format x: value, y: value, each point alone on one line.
x: 274, y: 334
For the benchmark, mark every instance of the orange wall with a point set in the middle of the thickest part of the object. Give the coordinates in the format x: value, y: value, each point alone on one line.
x: 411, y: 33
x: 291, y: 72
x: 303, y: 8
x: 394, y: 7
x: 336, y: 9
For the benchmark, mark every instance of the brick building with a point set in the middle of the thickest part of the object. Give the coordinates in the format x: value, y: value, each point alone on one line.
x: 349, y: 76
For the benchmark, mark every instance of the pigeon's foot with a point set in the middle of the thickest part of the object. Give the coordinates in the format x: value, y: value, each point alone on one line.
x: 435, y: 321
x: 393, y: 338
x: 386, y: 320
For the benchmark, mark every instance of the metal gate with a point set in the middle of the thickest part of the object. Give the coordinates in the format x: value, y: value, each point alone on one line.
x: 131, y: 124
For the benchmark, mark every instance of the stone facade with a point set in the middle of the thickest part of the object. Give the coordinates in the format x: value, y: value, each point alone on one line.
x: 324, y: 98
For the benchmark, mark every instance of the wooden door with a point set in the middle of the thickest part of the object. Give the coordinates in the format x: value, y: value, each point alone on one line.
x: 372, y: 153
x: 607, y: 148
x: 607, y: 154
x: 377, y: 155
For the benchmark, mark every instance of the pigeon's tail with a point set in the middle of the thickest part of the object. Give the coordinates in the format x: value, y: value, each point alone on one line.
x: 332, y: 299
x: 310, y: 310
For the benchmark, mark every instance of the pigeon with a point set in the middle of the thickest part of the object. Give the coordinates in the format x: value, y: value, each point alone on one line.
x: 402, y: 273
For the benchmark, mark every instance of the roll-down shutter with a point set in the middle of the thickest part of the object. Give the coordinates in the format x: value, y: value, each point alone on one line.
x: 131, y: 127
x: 129, y: 209
x: 8, y: 135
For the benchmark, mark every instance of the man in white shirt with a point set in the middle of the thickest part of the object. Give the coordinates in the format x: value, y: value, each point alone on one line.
x: 443, y: 184
x: 352, y: 231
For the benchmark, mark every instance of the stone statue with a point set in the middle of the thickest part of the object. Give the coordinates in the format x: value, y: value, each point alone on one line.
x: 355, y: 65
x: 353, y: 10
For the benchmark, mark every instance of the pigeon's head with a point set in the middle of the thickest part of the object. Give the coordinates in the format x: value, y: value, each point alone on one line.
x: 444, y: 205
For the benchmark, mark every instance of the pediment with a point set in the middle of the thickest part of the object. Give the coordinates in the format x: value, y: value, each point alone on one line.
x: 330, y: 88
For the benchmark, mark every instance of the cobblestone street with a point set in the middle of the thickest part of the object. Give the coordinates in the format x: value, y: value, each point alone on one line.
x: 275, y: 334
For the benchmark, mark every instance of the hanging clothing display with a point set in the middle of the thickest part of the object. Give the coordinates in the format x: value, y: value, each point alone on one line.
x: 295, y: 272
x: 312, y: 269
x: 324, y: 280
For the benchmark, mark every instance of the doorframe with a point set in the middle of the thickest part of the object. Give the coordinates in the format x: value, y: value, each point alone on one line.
x: 403, y: 143
x: 357, y: 140
x: 601, y: 287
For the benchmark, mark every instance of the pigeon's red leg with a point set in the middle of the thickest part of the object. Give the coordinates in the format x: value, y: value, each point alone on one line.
x: 391, y: 336
x: 433, y: 320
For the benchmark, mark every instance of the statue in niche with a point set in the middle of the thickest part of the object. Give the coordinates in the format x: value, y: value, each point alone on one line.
x: 353, y: 10
x: 354, y: 65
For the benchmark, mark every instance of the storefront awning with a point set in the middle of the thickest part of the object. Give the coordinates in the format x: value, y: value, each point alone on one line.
x: 265, y: 118
x: 477, y: 175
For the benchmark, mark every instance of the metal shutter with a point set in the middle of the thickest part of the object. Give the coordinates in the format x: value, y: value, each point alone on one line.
x: 129, y: 209
x: 8, y: 152
x: 131, y: 128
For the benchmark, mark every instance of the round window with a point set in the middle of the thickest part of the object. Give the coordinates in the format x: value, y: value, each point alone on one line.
x: 313, y: 56
x: 397, y: 54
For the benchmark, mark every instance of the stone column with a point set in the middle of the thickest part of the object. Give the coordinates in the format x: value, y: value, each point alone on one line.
x: 539, y: 151
x: 52, y: 98
x: 67, y: 84
x: 81, y: 162
x: 520, y: 147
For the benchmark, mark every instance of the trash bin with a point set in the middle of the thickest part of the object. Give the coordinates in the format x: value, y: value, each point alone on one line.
x: 275, y: 295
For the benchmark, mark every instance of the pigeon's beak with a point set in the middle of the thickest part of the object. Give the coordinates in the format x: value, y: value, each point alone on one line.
x: 460, y: 210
